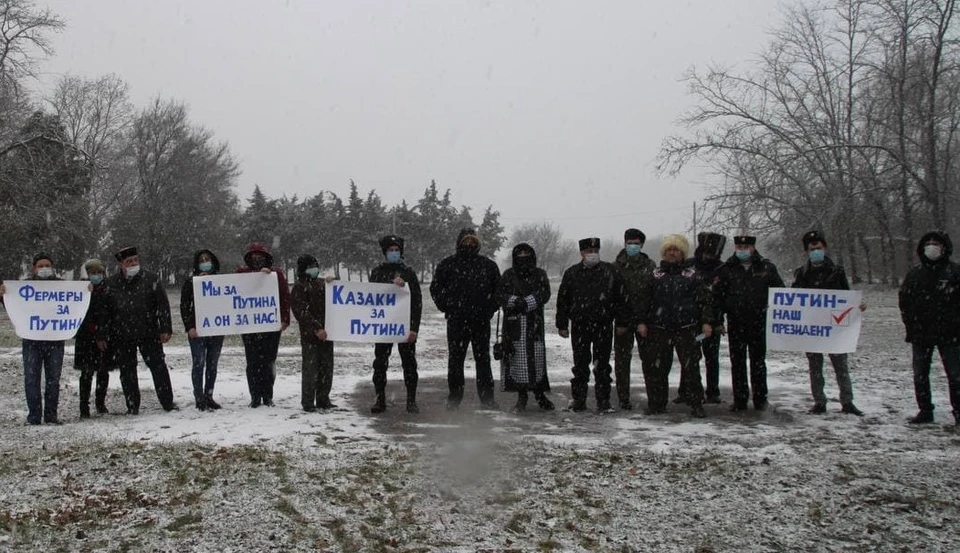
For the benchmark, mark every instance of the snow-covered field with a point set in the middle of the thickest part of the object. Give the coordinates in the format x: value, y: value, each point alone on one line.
x: 279, y: 479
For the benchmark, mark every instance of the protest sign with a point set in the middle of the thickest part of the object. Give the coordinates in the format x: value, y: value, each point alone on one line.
x: 813, y: 320
x: 239, y: 303
x: 47, y: 310
x: 367, y: 312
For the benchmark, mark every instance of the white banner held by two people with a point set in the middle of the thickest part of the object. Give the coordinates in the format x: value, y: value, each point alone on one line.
x: 46, y: 310
x: 813, y: 320
x: 367, y: 312
x: 238, y: 303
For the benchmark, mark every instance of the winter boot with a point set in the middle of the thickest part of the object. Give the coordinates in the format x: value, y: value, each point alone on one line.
x: 521, y: 405
x: 380, y: 405
x: 817, y: 409
x: 84, y: 410
x: 412, y: 400
x: 102, y: 408
x: 698, y: 412
x: 851, y: 409
x: 956, y: 418
x: 211, y: 404
x: 201, y: 403
x: 577, y: 405
x: 923, y: 417
x: 544, y: 402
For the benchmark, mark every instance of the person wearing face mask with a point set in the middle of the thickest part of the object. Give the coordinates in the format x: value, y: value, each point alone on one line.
x: 930, y: 310
x: 589, y: 300
x: 140, y: 320
x: 524, y: 290
x: 636, y: 268
x: 741, y: 293
x: 260, y: 348
x: 820, y: 272
x: 91, y: 356
x: 678, y: 308
x: 707, y: 262
x: 394, y: 270
x: 308, y: 304
x: 464, y: 289
x: 205, y: 350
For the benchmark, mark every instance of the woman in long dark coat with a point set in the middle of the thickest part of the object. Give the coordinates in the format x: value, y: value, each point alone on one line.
x: 523, y: 291
x: 90, y: 345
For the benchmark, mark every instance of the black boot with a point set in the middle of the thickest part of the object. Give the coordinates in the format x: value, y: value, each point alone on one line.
x: 544, y: 402
x: 521, y: 405
x: 412, y: 399
x: 923, y: 417
x: 84, y: 410
x: 85, y: 385
x: 201, y: 403
x: 956, y: 418
x: 380, y: 405
x: 211, y: 404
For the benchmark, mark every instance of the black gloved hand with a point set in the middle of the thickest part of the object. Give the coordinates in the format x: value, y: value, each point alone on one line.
x: 519, y: 306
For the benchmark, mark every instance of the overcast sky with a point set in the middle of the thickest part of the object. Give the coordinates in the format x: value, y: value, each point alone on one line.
x: 550, y: 110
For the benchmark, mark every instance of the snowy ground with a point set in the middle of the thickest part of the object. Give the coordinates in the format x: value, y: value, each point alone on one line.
x: 279, y: 479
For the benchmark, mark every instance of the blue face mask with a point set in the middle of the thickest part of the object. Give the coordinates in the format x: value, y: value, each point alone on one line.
x: 205, y: 266
x: 394, y: 256
x: 96, y: 279
x: 633, y: 250
x: 313, y: 272
x: 742, y: 255
x: 817, y: 256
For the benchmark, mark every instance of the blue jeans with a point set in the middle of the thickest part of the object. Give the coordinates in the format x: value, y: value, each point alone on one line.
x: 206, y: 352
x: 42, y: 359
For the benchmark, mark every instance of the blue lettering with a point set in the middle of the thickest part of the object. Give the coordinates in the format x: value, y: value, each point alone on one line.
x: 208, y: 289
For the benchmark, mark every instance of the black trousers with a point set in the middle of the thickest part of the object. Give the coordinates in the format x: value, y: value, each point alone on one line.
x: 152, y: 352
x: 86, y: 383
x: 591, y: 341
x: 474, y: 333
x: 408, y: 360
x: 260, y: 350
x: 622, y: 357
x: 710, y: 348
x: 748, y: 337
x: 661, y: 344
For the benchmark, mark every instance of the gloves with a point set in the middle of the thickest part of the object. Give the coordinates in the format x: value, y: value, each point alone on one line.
x: 516, y: 305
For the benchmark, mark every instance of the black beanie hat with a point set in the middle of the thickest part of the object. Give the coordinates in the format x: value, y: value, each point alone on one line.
x: 813, y: 236
x: 40, y: 256
x: 305, y: 261
x: 634, y: 234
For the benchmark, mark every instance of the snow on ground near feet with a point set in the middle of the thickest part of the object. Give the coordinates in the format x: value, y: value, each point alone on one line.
x: 281, y: 479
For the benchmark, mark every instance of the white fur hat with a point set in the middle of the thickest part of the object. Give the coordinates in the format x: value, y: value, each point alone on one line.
x: 678, y: 241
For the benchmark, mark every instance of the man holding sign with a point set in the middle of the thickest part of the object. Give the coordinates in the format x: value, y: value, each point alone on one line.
x: 43, y: 335
x: 820, y: 272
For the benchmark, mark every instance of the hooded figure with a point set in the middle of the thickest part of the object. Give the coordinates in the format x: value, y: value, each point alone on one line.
x: 308, y: 303
x: 205, y: 350
x: 260, y: 348
x: 394, y: 271
x: 464, y: 289
x: 523, y: 291
x: 930, y: 310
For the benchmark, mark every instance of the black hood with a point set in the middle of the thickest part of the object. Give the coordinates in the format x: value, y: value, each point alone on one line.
x: 213, y: 259
x: 303, y: 263
x: 941, y: 237
x: 523, y: 247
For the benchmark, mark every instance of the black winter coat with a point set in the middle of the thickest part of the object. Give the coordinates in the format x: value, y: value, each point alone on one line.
x: 930, y: 298
x: 86, y: 354
x: 464, y: 286
x: 387, y: 272
x: 825, y: 276
x: 593, y: 294
x: 741, y: 292
x: 708, y: 271
x: 534, y: 282
x: 678, y: 299
x: 636, y: 273
x: 140, y: 307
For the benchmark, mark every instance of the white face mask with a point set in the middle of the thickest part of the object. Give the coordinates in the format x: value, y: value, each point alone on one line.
x: 932, y: 252
x: 45, y: 272
x: 591, y: 259
x: 132, y: 271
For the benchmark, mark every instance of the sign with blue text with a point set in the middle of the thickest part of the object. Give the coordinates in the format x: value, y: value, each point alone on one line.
x: 813, y: 320
x: 240, y: 303
x: 47, y: 310
x: 367, y: 312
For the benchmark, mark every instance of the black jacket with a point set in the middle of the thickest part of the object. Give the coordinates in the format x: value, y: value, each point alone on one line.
x: 140, y: 307
x: 86, y: 354
x: 188, y: 313
x: 636, y: 273
x: 464, y: 286
x: 678, y: 298
x: 593, y: 294
x: 741, y: 292
x: 825, y: 276
x: 387, y: 272
x: 708, y: 271
x: 930, y: 297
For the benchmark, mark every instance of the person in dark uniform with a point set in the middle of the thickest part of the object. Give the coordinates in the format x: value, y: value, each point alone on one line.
x: 678, y: 309
x: 636, y: 269
x: 90, y: 347
x: 394, y: 270
x: 707, y: 262
x: 464, y: 289
x: 308, y: 305
x: 741, y: 291
x: 929, y: 300
x: 820, y: 272
x: 589, y: 300
x: 140, y: 321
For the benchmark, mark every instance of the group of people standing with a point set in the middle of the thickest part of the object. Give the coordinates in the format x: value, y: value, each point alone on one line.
x: 683, y: 305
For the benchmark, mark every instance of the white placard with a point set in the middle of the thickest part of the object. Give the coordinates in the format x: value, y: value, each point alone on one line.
x: 813, y: 320
x: 47, y: 310
x: 239, y: 303
x: 367, y: 312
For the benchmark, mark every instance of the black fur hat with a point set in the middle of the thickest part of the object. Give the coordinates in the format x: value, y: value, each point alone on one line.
x: 711, y: 242
x: 813, y: 236
x: 390, y: 240
x: 587, y: 243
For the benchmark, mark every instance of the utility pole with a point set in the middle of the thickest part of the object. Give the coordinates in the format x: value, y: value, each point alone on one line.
x: 694, y: 222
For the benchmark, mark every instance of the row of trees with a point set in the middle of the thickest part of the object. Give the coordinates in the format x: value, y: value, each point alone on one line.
x: 847, y: 122
x: 83, y: 172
